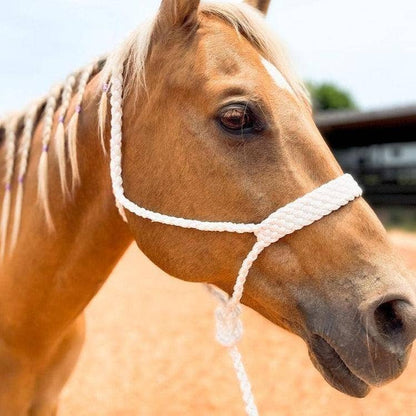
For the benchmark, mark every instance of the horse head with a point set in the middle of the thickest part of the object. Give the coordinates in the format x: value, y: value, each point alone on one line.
x: 218, y: 128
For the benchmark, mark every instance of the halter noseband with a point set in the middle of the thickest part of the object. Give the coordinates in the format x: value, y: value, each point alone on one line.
x: 286, y: 220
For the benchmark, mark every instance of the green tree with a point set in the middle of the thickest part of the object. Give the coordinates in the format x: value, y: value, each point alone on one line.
x: 328, y: 96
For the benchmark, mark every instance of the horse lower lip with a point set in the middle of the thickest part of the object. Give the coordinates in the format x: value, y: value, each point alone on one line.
x: 334, y: 370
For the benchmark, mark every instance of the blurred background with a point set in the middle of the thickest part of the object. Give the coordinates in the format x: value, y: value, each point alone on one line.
x: 150, y: 347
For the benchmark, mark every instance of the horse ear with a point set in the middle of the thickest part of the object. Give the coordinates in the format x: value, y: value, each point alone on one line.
x: 262, y: 5
x: 178, y: 13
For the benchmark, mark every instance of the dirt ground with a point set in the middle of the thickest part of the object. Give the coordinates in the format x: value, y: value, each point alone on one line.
x: 150, y: 350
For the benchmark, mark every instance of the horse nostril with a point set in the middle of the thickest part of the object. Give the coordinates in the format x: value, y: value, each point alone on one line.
x: 387, y: 319
x: 392, y: 323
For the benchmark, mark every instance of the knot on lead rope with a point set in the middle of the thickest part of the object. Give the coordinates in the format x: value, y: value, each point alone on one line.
x: 229, y: 327
x: 269, y: 232
x: 288, y: 219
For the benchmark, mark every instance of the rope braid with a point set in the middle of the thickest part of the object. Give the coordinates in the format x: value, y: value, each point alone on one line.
x: 10, y: 144
x: 117, y: 82
x: 60, y: 94
x: 73, y: 124
x: 60, y: 145
x: 24, y: 151
x: 50, y: 108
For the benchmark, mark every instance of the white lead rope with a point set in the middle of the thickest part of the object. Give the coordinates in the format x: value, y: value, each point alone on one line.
x: 286, y: 220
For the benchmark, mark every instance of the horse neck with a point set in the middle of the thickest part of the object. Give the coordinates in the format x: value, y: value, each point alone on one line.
x: 54, y: 274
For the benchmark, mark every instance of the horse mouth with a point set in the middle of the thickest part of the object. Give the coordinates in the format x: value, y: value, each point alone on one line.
x: 334, y: 370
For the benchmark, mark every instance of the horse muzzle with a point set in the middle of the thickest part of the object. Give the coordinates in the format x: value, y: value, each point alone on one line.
x: 352, y: 357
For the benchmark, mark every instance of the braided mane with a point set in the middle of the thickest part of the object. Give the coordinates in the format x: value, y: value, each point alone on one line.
x: 16, y: 134
x: 16, y: 131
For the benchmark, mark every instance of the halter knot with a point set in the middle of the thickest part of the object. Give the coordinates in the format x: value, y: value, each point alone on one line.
x: 269, y: 232
x: 228, y: 324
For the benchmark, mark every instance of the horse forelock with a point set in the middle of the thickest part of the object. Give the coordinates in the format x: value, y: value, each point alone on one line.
x: 245, y: 19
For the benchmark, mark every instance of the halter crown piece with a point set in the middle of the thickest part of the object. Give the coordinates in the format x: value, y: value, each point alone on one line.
x: 292, y: 217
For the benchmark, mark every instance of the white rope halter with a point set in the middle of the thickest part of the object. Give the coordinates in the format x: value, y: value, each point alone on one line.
x: 292, y: 217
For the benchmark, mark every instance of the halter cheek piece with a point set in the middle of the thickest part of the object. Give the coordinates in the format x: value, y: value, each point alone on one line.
x: 292, y: 217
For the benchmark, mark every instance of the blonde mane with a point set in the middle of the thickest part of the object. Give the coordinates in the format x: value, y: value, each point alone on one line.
x: 132, y: 54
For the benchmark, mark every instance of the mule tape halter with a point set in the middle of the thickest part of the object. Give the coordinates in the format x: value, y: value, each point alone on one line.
x: 292, y: 217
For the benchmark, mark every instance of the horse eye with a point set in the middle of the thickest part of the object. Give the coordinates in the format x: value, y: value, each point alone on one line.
x: 239, y: 119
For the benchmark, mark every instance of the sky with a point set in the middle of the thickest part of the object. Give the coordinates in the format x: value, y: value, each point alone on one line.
x: 366, y: 46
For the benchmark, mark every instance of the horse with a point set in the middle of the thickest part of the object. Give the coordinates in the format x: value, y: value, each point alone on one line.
x: 216, y: 126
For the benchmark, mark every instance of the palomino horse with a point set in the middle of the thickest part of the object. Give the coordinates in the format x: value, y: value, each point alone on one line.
x: 208, y: 134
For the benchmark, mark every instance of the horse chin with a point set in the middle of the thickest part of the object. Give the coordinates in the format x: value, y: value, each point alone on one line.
x: 334, y: 370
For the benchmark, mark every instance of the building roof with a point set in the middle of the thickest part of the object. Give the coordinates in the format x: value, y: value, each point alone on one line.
x: 344, y: 118
x: 352, y: 128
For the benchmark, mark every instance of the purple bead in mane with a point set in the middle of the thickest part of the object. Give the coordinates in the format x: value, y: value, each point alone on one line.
x: 105, y: 87
x: 21, y: 179
x: 45, y: 148
x: 8, y: 187
x: 78, y: 109
x: 61, y: 119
